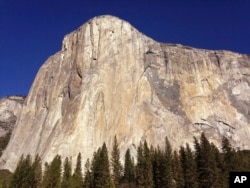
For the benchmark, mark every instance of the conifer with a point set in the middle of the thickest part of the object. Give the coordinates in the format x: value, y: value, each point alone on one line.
x: 148, y: 170
x: 87, y: 175
x: 129, y: 169
x: 167, y: 165
x: 140, y: 166
x: 177, y: 171
x: 36, y: 172
x: 52, y: 174
x: 67, y: 174
x: 116, y: 163
x: 22, y: 176
x: 206, y: 164
x: 100, y: 168
x: 77, y: 178
x: 189, y: 167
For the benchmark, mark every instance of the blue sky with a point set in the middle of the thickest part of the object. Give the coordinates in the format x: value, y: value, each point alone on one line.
x: 31, y: 31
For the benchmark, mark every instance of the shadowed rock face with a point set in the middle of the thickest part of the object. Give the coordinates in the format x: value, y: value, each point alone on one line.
x: 109, y: 79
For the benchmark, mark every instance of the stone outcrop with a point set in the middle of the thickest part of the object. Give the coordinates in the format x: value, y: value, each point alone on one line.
x: 10, y: 109
x: 110, y: 79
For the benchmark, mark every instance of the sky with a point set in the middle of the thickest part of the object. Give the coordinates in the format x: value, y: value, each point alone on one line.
x: 33, y: 30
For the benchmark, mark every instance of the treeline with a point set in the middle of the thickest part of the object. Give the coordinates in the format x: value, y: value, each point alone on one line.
x: 205, y: 166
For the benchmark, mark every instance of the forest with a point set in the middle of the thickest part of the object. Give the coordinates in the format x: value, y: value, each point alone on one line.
x: 204, y: 166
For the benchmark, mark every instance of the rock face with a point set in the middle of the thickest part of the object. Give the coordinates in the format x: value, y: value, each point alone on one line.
x: 10, y: 109
x: 110, y: 79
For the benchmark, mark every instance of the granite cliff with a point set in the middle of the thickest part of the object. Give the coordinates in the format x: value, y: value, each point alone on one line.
x: 110, y: 79
x: 10, y: 109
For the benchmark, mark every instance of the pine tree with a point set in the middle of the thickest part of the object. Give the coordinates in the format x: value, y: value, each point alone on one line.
x: 116, y: 163
x: 22, y: 176
x: 52, y: 174
x: 129, y: 169
x: 177, y: 171
x: 158, y: 168
x: 188, y: 167
x: 100, y: 168
x: 46, y: 178
x: 77, y: 178
x: 36, y: 169
x: 228, y: 160
x: 167, y: 165
x: 148, y: 169
x: 87, y: 175
x: 106, y: 173
x: 67, y: 174
x: 221, y: 182
x: 206, y: 164
x: 140, y: 166
x: 144, y: 174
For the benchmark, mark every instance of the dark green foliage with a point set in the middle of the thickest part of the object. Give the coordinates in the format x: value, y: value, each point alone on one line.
x: 4, y: 142
x: 206, y: 166
x: 52, y: 174
x: 129, y: 169
x: 140, y: 166
x: 116, y: 163
x: 67, y: 174
x: 144, y: 169
x: 206, y: 163
x: 189, y: 167
x: 148, y: 169
x: 167, y: 165
x: 5, y: 178
x: 36, y: 170
x: 177, y: 171
x: 22, y: 176
x: 77, y: 178
x: 158, y: 167
x: 87, y: 175
x: 100, y: 168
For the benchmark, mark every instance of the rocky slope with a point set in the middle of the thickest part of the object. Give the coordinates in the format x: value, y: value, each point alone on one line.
x: 10, y: 109
x: 110, y: 79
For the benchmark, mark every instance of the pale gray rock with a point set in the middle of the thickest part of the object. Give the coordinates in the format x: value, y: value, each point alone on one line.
x: 10, y: 109
x: 109, y: 79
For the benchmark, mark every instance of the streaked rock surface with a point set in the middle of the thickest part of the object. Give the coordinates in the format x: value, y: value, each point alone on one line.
x: 10, y: 109
x: 110, y: 79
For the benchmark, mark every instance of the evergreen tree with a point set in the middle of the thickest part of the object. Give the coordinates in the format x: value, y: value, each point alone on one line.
x: 52, y: 174
x: 100, y: 168
x: 129, y: 169
x: 77, y: 178
x: 228, y: 160
x: 46, y: 178
x: 167, y: 165
x: 177, y: 171
x: 221, y: 181
x: 87, y: 175
x: 116, y: 163
x: 140, y: 166
x: 22, y: 176
x: 148, y: 169
x: 144, y: 175
x: 158, y: 167
x: 206, y: 164
x: 188, y: 167
x: 36, y: 170
x: 67, y: 174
